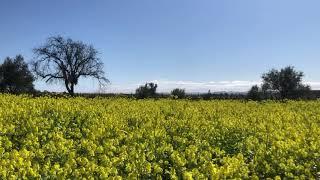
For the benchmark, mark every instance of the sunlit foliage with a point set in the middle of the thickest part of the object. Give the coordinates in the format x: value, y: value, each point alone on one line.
x: 157, y: 139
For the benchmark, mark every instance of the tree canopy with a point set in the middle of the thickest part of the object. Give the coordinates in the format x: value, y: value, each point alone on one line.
x: 15, y: 76
x: 146, y: 91
x: 178, y: 93
x: 287, y: 81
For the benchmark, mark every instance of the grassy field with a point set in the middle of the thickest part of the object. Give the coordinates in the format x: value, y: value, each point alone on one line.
x: 157, y: 139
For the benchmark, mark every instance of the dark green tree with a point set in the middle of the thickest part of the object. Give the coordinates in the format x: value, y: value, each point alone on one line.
x: 146, y: 91
x: 15, y: 76
x: 254, y: 93
x: 286, y: 81
x: 178, y: 93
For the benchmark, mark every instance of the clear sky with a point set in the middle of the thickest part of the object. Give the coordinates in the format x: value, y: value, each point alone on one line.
x: 193, y: 44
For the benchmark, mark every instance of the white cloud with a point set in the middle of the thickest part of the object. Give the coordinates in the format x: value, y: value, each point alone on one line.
x: 197, y: 87
x: 189, y: 86
x: 314, y: 85
x: 167, y: 86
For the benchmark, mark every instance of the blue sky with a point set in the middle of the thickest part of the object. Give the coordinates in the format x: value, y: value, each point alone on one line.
x: 193, y: 44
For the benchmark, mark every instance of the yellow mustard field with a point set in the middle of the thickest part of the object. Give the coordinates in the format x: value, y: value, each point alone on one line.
x: 117, y: 138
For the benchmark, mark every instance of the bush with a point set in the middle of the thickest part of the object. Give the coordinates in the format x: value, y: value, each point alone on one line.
x: 146, y: 91
x: 178, y: 93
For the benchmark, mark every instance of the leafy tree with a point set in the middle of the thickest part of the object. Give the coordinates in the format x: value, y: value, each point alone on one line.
x: 146, y: 91
x: 287, y: 82
x: 178, y: 93
x: 15, y: 76
x: 66, y: 60
x: 254, y: 93
x: 303, y: 91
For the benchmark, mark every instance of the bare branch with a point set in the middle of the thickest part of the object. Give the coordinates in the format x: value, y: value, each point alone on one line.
x: 67, y: 60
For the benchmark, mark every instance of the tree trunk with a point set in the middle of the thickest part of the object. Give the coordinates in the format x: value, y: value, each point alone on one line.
x: 284, y: 94
x: 69, y: 89
x: 72, y: 89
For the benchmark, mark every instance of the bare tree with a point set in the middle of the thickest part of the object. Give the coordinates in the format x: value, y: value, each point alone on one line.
x: 66, y: 60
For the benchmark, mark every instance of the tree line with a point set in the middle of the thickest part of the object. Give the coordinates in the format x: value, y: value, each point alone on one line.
x: 64, y: 60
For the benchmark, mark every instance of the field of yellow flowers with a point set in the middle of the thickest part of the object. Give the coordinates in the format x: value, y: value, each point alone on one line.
x: 118, y: 138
